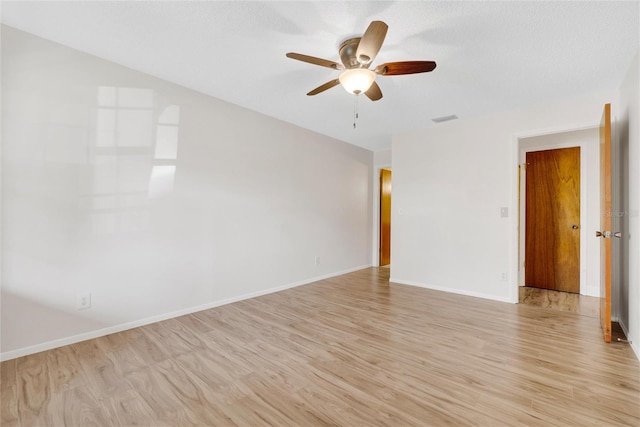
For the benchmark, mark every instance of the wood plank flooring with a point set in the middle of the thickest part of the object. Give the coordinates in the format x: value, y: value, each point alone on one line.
x: 347, y: 351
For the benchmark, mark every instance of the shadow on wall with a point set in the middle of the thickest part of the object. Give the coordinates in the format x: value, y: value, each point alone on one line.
x: 620, y: 220
x: 32, y: 321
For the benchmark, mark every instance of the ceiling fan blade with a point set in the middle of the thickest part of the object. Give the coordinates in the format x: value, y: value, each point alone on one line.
x: 405, y: 67
x: 371, y: 42
x: 374, y: 93
x: 315, y: 61
x: 322, y: 88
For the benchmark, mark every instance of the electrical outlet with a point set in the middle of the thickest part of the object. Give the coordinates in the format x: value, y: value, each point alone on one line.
x: 504, y: 277
x: 317, y: 260
x: 83, y: 300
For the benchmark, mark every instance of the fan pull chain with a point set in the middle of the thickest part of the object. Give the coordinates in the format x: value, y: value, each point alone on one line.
x: 355, y: 111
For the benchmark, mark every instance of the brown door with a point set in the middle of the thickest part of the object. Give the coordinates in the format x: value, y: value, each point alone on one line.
x: 385, y: 217
x: 605, y: 222
x: 552, y: 220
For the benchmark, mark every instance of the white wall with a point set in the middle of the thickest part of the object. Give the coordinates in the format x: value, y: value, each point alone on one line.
x: 628, y: 136
x: 155, y: 199
x: 588, y: 141
x: 450, y: 182
x: 382, y: 158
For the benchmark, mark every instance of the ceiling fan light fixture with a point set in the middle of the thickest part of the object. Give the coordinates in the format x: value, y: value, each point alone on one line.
x: 356, y: 53
x: 357, y: 80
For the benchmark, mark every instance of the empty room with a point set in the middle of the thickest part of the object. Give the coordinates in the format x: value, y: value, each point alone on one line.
x: 301, y: 213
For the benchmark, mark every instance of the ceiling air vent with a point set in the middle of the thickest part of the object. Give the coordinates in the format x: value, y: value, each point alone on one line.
x: 444, y: 118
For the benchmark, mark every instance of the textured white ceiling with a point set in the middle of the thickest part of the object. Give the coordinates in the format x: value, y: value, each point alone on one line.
x: 492, y: 56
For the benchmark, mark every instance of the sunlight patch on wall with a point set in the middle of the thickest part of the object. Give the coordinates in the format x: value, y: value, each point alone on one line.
x: 133, y: 157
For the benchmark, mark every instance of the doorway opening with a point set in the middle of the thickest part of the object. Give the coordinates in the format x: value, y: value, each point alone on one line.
x: 558, y: 265
x: 385, y: 217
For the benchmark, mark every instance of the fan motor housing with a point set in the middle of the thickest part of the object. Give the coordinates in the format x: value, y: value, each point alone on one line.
x: 347, y: 52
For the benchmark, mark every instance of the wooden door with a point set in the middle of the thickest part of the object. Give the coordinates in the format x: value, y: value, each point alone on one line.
x: 552, y: 219
x: 605, y: 223
x: 385, y: 217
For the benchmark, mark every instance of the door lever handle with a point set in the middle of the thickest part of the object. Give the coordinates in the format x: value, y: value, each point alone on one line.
x: 575, y: 227
x: 608, y: 234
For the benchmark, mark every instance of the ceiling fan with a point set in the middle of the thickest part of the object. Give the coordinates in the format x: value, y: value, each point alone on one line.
x: 357, y: 54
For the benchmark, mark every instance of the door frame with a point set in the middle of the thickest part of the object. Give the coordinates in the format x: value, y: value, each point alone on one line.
x: 589, y: 276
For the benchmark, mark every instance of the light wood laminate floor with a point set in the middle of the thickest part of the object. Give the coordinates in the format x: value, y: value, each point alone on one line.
x: 349, y: 351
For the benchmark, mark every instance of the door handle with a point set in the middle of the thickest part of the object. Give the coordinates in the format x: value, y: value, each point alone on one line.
x: 575, y: 227
x: 608, y: 234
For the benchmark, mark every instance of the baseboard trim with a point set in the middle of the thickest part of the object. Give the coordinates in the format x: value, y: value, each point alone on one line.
x: 25, y: 351
x: 635, y: 347
x: 452, y: 290
x: 633, y: 344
